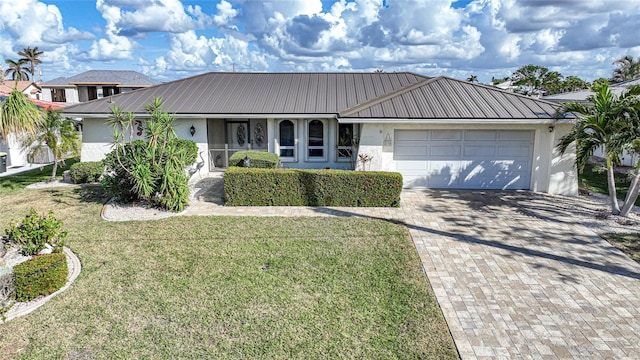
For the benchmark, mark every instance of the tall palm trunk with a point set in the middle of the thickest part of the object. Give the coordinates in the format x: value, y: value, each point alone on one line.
x: 632, y: 195
x: 615, y: 208
x: 55, y: 168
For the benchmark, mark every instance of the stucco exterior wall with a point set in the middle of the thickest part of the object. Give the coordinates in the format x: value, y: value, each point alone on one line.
x: 12, y: 147
x: 551, y: 172
x: 97, y: 138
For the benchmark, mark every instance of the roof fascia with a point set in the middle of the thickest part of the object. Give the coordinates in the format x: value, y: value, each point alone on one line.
x: 453, y: 121
x: 212, y: 116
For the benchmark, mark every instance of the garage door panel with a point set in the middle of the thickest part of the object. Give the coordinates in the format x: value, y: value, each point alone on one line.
x: 479, y: 151
x: 514, y: 151
x: 515, y: 135
x: 413, y: 135
x: 465, y: 159
x: 446, y: 135
x: 445, y: 150
x: 486, y: 135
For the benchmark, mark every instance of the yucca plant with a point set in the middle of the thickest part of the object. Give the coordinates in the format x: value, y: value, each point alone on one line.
x: 18, y: 115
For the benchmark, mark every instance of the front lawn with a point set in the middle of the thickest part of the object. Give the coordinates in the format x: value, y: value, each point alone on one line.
x: 595, y: 181
x: 12, y: 183
x: 628, y: 243
x: 229, y: 287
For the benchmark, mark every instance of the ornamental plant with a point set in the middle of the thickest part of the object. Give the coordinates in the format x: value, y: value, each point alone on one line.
x: 153, y: 169
x: 35, y: 231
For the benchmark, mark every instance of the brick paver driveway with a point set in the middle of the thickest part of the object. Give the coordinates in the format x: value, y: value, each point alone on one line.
x: 515, y: 274
x: 517, y: 277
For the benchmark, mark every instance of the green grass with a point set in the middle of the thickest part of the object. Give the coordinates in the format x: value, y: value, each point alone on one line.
x: 12, y: 183
x: 628, y: 243
x: 200, y: 287
x: 595, y: 181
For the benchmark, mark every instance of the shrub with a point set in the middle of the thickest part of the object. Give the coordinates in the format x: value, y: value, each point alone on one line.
x: 35, y: 231
x: 86, y: 172
x: 296, y: 187
x: 257, y: 159
x: 152, y: 170
x: 42, y: 275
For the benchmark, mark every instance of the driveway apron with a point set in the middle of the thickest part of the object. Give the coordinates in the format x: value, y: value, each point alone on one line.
x: 515, y: 275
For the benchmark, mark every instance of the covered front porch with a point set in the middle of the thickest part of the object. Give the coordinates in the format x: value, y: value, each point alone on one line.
x: 227, y: 136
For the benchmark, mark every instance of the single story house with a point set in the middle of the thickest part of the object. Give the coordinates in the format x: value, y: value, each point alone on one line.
x: 438, y: 132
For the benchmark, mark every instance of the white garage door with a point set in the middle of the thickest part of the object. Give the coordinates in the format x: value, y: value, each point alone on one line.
x: 464, y: 159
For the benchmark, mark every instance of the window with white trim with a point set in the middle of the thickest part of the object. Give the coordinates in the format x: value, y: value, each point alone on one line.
x: 347, y: 142
x: 287, y: 139
x: 316, y: 140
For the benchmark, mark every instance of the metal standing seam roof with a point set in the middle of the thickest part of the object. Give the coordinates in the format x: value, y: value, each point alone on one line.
x: 121, y: 78
x: 219, y: 94
x: 343, y: 95
x: 447, y: 98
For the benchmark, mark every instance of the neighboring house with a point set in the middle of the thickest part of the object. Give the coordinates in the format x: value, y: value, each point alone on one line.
x: 628, y: 158
x: 29, y: 88
x: 438, y: 132
x: 12, y: 146
x: 93, y: 84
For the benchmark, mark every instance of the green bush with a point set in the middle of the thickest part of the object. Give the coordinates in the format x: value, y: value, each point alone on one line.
x: 86, y: 172
x: 35, y: 231
x: 152, y: 170
x: 296, y: 187
x: 42, y: 275
x: 257, y: 159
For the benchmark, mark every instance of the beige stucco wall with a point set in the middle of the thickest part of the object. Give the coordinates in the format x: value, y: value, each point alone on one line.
x: 97, y: 138
x: 551, y: 172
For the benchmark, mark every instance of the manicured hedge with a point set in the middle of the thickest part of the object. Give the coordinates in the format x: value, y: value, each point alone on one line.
x: 86, y: 172
x: 257, y: 159
x: 42, y: 275
x: 296, y: 187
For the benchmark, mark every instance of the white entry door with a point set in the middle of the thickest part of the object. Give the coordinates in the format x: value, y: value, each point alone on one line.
x: 464, y: 159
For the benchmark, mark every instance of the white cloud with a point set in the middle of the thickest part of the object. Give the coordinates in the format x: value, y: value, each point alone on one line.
x: 45, y: 32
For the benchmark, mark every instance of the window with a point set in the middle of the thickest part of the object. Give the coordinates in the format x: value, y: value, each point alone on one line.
x: 58, y: 95
x: 108, y: 91
x: 92, y: 92
x: 315, y: 140
x: 347, y: 142
x: 287, y: 139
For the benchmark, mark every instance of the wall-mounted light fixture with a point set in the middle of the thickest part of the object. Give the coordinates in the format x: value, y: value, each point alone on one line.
x: 192, y: 130
x: 387, y: 140
x: 551, y: 128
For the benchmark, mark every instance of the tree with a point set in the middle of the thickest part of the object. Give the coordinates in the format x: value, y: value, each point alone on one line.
x: 31, y: 56
x: 58, y: 134
x: 17, y: 70
x: 153, y: 170
x: 574, y: 83
x: 472, y: 79
x: 626, y: 69
x: 603, y: 123
x: 18, y: 115
x: 537, y: 79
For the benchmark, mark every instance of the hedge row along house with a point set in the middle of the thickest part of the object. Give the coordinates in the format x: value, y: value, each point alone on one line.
x: 437, y: 132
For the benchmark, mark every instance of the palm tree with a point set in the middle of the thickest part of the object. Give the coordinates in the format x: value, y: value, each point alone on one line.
x: 58, y: 134
x: 18, y: 115
x: 17, y: 70
x: 31, y: 55
x: 472, y: 79
x: 602, y: 124
x: 626, y: 69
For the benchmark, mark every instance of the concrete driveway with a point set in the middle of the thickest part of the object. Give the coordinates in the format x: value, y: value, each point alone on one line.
x: 517, y: 274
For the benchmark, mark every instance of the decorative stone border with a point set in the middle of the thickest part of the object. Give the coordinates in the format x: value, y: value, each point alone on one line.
x: 24, y: 308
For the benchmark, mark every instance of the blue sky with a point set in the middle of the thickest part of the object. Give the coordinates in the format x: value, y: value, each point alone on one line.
x: 170, y: 39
